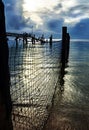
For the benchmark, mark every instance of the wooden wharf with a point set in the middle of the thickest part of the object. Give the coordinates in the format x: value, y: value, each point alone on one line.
x: 24, y: 36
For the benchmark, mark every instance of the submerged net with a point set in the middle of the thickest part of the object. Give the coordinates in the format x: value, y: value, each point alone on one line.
x: 34, y: 71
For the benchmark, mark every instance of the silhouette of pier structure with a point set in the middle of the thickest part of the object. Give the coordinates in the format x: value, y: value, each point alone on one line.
x: 25, y: 36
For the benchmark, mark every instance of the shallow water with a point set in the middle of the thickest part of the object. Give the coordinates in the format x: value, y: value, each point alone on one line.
x: 70, y: 109
x: 34, y: 71
x: 76, y: 79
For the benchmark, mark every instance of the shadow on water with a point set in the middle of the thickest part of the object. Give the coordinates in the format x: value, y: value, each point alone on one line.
x: 64, y: 64
x: 70, y: 110
x: 54, y: 118
x: 62, y: 75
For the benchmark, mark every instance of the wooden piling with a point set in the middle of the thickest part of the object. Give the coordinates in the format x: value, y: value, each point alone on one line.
x: 42, y: 39
x: 25, y: 39
x: 50, y: 40
x: 33, y: 39
x: 5, y: 98
x: 65, y: 45
x: 16, y: 40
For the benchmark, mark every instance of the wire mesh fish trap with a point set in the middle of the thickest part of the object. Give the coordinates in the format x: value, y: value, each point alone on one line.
x: 34, y: 71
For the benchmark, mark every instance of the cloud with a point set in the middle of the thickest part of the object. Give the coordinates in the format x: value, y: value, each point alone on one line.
x: 54, y: 24
x: 46, y: 15
x: 71, y: 11
x: 77, y: 13
x: 14, y: 18
x: 16, y: 22
x: 81, y: 30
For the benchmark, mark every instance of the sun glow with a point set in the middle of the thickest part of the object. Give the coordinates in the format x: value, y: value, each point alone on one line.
x: 33, y: 9
x: 32, y: 5
x: 37, y: 5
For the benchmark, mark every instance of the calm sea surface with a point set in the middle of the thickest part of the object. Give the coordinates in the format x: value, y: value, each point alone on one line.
x: 70, y: 109
x: 34, y: 73
x: 76, y: 79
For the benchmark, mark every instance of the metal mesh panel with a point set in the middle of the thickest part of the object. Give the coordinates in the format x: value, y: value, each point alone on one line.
x: 34, y: 71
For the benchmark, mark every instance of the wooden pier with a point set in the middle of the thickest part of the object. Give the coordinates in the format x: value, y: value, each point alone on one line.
x: 25, y: 36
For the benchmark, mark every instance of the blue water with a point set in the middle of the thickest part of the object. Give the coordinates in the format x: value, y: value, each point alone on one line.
x: 35, y: 70
x: 76, y: 78
x: 70, y: 109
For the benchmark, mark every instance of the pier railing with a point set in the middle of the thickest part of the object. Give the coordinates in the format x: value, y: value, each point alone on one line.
x: 34, y: 72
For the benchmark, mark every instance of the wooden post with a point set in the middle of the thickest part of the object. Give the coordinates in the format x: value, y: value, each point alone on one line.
x: 50, y: 40
x: 16, y: 40
x: 5, y: 98
x: 42, y: 39
x: 23, y: 41
x: 26, y: 40
x: 33, y: 39
x: 65, y: 45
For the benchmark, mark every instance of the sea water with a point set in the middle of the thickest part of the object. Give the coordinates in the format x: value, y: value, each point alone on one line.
x: 76, y: 79
x: 34, y: 71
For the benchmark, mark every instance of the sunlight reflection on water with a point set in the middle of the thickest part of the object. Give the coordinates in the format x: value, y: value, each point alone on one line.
x: 34, y: 71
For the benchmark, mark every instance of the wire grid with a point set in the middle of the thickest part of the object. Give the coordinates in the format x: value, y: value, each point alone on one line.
x: 34, y: 71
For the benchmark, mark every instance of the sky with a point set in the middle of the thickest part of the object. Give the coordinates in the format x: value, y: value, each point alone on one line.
x: 48, y: 16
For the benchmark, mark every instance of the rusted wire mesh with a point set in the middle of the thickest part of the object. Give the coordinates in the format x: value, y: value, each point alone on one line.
x: 34, y: 71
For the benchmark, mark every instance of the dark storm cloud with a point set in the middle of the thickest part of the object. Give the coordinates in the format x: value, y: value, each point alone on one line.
x: 54, y: 24
x: 81, y: 30
x: 59, y: 6
x: 14, y: 19
x: 16, y: 22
